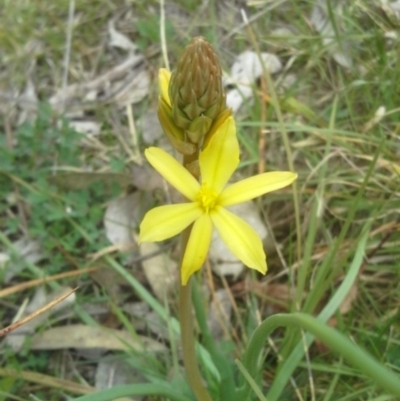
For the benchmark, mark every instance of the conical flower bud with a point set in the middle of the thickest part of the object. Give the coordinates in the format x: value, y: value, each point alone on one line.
x: 195, y: 90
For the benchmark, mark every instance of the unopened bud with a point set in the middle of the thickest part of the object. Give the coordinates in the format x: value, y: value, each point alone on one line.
x: 195, y: 90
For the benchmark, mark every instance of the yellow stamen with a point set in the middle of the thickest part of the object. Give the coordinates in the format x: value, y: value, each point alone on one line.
x: 207, y: 198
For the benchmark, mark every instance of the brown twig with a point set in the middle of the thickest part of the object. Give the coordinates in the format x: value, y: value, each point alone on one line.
x: 32, y: 315
x: 33, y: 283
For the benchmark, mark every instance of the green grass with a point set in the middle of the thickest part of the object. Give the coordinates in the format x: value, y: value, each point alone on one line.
x: 349, y: 182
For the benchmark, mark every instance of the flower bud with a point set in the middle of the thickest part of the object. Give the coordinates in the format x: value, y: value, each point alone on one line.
x: 175, y: 134
x: 195, y: 90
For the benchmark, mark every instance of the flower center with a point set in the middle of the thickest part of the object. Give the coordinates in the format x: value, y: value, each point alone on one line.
x: 207, y: 198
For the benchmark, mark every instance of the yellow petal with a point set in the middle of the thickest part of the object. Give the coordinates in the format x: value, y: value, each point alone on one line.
x: 167, y: 221
x: 240, y: 238
x: 173, y: 172
x: 252, y: 187
x: 197, y: 247
x: 220, y: 158
x: 216, y: 125
x: 163, y: 82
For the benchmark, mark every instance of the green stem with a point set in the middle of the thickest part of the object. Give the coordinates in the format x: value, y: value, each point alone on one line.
x: 188, y: 344
x: 186, y: 320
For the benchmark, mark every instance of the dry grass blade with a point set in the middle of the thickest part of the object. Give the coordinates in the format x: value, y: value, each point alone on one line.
x: 34, y: 283
x: 48, y: 381
x: 31, y: 316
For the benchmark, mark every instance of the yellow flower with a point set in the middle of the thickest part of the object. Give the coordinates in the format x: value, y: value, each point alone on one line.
x: 208, y: 202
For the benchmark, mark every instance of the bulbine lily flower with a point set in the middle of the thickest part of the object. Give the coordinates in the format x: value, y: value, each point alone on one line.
x: 208, y: 202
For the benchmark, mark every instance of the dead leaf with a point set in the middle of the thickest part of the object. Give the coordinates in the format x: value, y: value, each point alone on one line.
x: 235, y: 97
x: 246, y: 69
x: 132, y: 90
x: 161, y: 271
x: 323, y: 25
x: 157, y: 326
x: 114, y: 372
x: 150, y: 127
x: 138, y: 310
x: 88, y: 337
x: 120, y: 220
x: 146, y: 319
x: 76, y: 93
x: 86, y: 127
x: 220, y: 310
x: 118, y: 39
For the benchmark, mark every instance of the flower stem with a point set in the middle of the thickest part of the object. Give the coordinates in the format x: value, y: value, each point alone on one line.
x: 186, y: 320
x: 188, y: 344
